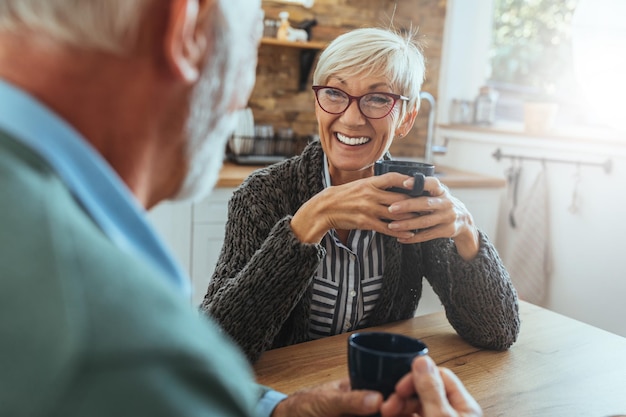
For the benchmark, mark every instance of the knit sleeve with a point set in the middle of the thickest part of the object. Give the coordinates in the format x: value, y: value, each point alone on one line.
x: 478, y: 296
x: 263, y: 269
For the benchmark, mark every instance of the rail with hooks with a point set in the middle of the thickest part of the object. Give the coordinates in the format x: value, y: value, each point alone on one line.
x: 607, y: 165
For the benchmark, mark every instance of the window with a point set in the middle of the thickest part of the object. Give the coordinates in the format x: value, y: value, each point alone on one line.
x: 599, y: 45
x: 565, y: 51
x: 531, y: 54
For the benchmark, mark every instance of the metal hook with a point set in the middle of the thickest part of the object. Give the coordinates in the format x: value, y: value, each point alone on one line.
x: 514, y: 178
x: 574, y: 206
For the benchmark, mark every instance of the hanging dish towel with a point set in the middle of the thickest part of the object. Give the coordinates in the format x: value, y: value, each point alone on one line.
x: 529, y: 262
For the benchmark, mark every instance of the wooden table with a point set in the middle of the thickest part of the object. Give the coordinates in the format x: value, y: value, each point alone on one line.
x: 558, y: 366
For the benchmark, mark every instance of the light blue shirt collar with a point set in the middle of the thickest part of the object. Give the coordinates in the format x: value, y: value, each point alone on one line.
x: 91, y: 180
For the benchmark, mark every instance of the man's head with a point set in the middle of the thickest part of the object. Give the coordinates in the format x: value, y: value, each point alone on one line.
x: 110, y: 25
x: 171, y: 72
x: 216, y: 97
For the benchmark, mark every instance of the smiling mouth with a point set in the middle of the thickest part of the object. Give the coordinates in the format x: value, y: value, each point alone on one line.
x: 352, y: 141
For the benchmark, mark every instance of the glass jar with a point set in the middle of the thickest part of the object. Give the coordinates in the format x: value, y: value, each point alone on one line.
x: 461, y: 112
x: 270, y: 28
x: 485, y: 106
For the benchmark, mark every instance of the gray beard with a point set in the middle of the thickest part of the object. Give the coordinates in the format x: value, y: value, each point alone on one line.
x: 206, y: 153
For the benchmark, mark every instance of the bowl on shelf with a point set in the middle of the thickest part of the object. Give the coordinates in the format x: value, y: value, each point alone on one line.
x: 260, y: 150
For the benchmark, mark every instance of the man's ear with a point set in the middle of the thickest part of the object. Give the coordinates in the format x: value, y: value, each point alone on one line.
x: 185, y: 40
x: 407, y: 123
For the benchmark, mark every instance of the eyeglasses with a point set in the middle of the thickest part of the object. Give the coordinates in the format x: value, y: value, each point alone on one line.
x: 371, y: 105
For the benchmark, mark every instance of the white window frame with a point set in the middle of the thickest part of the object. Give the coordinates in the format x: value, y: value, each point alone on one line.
x: 465, y: 52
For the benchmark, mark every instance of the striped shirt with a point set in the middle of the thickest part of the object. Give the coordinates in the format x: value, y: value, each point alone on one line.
x: 347, y: 282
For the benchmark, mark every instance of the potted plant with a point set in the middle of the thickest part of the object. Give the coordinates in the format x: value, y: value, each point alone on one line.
x: 531, y: 55
x: 540, y: 111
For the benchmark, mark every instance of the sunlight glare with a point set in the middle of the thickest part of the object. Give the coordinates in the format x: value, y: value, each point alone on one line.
x: 599, y: 52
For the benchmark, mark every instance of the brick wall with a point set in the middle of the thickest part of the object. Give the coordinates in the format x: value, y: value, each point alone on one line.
x: 277, y: 98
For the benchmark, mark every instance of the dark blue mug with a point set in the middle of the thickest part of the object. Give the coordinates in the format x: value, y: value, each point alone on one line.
x: 418, y: 170
x: 377, y: 360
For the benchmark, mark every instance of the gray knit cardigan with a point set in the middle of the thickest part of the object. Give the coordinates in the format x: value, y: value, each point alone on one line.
x: 260, y: 292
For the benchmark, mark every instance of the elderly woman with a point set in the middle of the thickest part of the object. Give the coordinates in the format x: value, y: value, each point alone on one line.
x: 316, y: 246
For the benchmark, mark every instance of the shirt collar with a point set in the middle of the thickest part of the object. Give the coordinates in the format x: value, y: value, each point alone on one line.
x: 90, y: 179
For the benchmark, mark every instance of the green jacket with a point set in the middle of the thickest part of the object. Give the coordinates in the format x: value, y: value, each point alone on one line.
x: 88, y: 330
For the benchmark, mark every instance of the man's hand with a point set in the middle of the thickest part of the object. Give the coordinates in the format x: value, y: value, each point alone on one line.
x: 334, y: 399
x: 441, y: 393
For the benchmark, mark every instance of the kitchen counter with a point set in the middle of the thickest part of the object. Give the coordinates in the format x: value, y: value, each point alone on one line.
x: 232, y: 175
x: 567, y: 134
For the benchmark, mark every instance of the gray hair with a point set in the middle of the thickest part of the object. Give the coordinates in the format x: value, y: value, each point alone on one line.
x: 226, y: 81
x: 379, y: 52
x: 108, y: 25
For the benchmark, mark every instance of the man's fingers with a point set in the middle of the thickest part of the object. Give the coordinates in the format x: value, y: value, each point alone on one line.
x: 457, y: 394
x: 429, y: 384
x: 360, y: 403
x: 399, y: 406
x: 333, y: 399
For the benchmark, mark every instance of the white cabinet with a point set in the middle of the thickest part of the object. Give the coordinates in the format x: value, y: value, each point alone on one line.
x: 194, y: 233
x: 209, y: 219
x: 484, y: 205
x: 172, y: 222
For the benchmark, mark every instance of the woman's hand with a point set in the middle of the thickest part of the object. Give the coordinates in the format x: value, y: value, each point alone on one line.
x: 439, y: 215
x: 440, y: 393
x: 362, y: 204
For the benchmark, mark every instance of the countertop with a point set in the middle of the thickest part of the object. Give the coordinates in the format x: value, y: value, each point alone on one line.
x: 232, y: 175
x: 568, y: 134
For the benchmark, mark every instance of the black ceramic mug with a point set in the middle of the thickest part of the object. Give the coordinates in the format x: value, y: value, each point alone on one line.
x: 377, y: 360
x: 418, y: 170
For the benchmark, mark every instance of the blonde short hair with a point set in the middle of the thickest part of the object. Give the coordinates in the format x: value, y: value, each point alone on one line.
x: 375, y: 51
x: 108, y: 25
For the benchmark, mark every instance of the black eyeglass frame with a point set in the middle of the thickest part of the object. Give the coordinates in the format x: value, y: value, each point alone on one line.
x: 351, y: 98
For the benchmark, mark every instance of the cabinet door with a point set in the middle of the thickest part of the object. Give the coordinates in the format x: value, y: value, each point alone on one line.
x: 209, y: 221
x: 213, y: 208
x: 172, y: 222
x: 484, y: 205
x: 207, y: 244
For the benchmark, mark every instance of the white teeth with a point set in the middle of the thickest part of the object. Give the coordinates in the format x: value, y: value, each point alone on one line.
x: 352, y: 141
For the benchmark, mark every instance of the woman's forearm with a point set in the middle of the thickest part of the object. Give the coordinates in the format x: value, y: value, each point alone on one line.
x: 479, y: 297
x: 252, y: 304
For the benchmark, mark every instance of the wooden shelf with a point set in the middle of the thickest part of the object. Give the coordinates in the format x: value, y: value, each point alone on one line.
x: 308, y: 52
x: 301, y: 45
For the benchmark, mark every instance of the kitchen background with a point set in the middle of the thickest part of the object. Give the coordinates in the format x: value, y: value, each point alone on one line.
x: 278, y: 98
x: 574, y: 218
